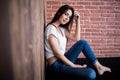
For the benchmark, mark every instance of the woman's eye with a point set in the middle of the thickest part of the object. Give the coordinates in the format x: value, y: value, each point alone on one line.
x: 67, y: 15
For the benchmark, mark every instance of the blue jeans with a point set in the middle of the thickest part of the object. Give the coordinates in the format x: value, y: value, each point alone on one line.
x: 64, y: 70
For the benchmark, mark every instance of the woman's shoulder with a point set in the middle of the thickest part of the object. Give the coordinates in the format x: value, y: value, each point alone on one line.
x: 50, y: 26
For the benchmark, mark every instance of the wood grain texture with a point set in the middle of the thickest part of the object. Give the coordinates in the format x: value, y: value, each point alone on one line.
x: 27, y: 38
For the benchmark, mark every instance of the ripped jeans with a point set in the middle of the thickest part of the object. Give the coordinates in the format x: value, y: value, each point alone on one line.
x: 72, y: 54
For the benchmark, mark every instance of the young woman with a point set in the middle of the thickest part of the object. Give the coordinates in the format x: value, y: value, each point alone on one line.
x: 61, y: 61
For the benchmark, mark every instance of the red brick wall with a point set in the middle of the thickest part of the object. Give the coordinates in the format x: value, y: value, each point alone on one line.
x: 100, y: 23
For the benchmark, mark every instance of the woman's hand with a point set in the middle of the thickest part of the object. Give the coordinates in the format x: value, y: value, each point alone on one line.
x: 76, y: 15
x: 79, y: 66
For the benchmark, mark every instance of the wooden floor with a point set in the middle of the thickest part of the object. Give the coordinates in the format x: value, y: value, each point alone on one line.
x: 113, y: 63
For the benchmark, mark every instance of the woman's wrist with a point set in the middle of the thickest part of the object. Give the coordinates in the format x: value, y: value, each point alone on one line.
x: 73, y: 65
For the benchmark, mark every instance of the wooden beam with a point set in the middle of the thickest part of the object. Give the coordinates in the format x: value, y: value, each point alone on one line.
x: 27, y: 38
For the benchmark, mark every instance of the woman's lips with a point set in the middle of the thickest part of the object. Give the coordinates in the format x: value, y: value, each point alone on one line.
x: 64, y: 21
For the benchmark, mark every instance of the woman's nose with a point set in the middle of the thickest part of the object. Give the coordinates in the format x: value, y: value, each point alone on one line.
x: 67, y: 18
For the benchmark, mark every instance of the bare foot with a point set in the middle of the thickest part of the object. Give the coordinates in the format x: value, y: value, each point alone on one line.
x: 101, y: 69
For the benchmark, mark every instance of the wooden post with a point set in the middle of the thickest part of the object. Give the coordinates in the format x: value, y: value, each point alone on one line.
x: 26, y: 19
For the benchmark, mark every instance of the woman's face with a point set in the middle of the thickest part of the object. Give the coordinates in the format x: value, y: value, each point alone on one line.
x: 65, y: 18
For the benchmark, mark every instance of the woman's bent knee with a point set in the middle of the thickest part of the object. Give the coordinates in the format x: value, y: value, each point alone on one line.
x: 92, y: 74
x: 82, y: 41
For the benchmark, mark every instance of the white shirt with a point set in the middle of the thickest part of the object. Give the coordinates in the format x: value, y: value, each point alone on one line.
x: 51, y: 29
